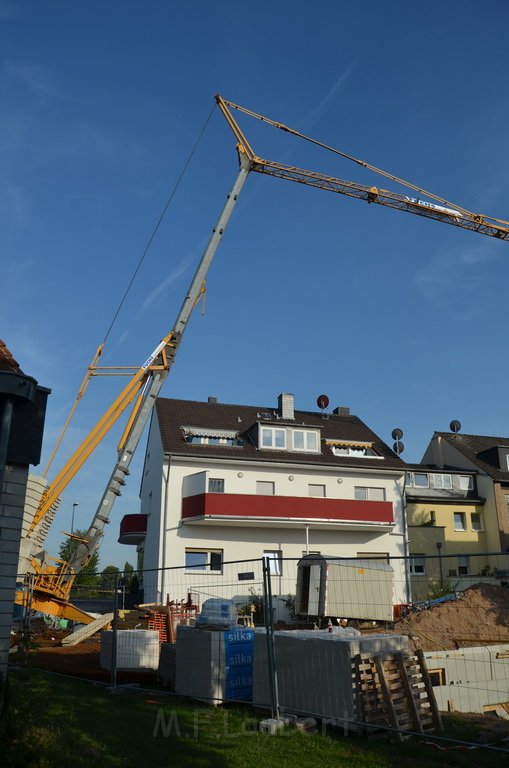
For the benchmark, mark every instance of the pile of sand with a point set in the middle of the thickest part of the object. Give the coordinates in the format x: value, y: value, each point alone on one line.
x: 479, y: 617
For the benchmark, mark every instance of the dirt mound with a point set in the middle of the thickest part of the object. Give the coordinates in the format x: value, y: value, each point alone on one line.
x: 479, y: 617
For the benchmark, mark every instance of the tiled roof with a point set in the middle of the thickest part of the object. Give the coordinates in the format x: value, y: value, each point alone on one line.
x: 7, y: 362
x: 173, y: 415
x: 474, y: 448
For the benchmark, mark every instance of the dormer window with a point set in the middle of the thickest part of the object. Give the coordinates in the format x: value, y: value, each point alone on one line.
x: 289, y: 439
x: 355, y: 448
x: 201, y: 436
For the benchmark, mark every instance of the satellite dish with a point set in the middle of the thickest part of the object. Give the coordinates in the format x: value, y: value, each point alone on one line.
x: 398, y: 447
x: 397, y: 433
x: 455, y: 426
x: 322, y: 401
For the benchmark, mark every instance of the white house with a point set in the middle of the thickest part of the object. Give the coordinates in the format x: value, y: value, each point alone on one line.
x: 232, y: 483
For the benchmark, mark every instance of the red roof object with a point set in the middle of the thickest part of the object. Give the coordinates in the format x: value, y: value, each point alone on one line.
x: 7, y: 361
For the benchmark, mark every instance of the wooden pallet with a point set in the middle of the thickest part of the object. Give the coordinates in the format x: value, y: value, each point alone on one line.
x: 395, y: 692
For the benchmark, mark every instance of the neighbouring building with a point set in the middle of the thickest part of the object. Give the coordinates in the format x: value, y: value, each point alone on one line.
x: 225, y: 483
x: 22, y: 415
x: 489, y: 458
x: 446, y: 529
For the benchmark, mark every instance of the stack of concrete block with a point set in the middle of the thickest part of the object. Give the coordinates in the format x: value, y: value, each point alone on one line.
x: 315, y: 672
x: 214, y: 665
x: 167, y: 663
x: 136, y: 649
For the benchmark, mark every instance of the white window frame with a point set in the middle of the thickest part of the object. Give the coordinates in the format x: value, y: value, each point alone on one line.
x: 355, y: 449
x: 420, y: 474
x: 319, y: 488
x: 209, y: 561
x: 466, y: 482
x: 442, y: 481
x: 306, y: 435
x: 417, y: 565
x: 266, y: 490
x: 479, y: 519
x: 274, y: 558
x: 272, y: 431
x: 371, y: 491
x: 218, y: 481
x: 462, y: 520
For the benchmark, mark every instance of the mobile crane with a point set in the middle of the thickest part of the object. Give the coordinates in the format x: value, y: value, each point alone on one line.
x: 52, y: 579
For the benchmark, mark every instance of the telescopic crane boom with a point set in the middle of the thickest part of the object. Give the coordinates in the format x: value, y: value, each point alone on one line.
x: 53, y: 579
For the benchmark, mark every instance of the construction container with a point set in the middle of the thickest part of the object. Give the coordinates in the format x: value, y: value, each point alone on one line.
x: 344, y: 589
x: 214, y: 665
x: 136, y: 649
x: 315, y: 671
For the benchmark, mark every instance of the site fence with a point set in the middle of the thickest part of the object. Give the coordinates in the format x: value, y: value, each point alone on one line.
x: 343, y: 640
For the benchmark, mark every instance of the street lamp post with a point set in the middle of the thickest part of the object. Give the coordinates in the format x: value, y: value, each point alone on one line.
x: 72, y: 520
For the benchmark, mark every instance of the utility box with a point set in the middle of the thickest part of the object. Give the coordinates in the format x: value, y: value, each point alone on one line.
x: 344, y: 589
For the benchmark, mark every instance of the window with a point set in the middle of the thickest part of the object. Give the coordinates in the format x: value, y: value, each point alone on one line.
x: 314, y: 489
x: 432, y: 517
x: 366, y: 450
x: 265, y: 488
x: 421, y: 480
x: 363, y: 493
x: 442, y: 481
x: 216, y: 485
x: 202, y: 436
x: 475, y: 519
x: 417, y: 480
x: 274, y: 559
x: 459, y: 521
x: 466, y: 482
x: 273, y: 438
x: 305, y: 440
x: 417, y: 565
x: 463, y: 565
x: 204, y: 560
x: 437, y: 676
x: 378, y: 557
x: 211, y: 440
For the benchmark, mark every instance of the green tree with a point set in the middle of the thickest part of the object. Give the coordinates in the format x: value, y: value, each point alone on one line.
x: 87, y: 577
x: 128, y: 573
x: 108, y: 577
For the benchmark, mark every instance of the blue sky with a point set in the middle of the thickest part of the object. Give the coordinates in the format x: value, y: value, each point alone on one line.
x: 401, y: 318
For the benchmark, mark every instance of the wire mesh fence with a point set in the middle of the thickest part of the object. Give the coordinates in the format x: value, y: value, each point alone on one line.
x: 346, y: 640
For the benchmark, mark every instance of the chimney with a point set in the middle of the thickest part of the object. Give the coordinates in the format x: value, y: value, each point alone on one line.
x: 285, y: 405
x: 212, y: 400
x: 341, y: 410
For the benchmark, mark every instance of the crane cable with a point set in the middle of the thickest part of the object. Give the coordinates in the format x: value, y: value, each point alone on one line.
x: 93, y: 365
x: 159, y: 221
x: 362, y: 163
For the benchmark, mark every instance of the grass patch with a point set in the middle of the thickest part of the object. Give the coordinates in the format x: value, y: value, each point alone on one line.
x: 56, y: 721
